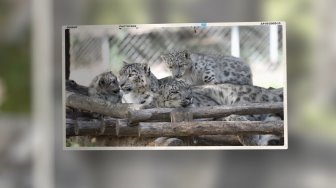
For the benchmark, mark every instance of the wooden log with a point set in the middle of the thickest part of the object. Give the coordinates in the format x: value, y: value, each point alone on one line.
x: 109, y: 127
x: 123, y: 128
x: 72, y: 86
x: 163, y: 114
x: 100, y: 106
x: 177, y: 115
x: 180, y: 114
x: 210, y: 128
x: 67, y: 53
x: 111, y: 141
x: 242, y: 109
x: 91, y: 127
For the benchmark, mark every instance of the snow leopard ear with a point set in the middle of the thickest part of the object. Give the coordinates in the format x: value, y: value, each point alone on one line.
x: 146, y: 69
x: 125, y: 63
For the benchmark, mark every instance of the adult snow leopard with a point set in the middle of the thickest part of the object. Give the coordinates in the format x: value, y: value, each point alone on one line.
x: 199, y: 69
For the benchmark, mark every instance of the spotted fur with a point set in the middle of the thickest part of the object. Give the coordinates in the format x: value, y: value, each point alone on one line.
x: 177, y: 93
x: 105, y: 86
x: 238, y: 94
x: 199, y: 69
x: 244, y: 94
x: 137, y: 83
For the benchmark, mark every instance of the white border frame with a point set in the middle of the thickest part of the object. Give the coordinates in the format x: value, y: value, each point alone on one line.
x: 284, y: 59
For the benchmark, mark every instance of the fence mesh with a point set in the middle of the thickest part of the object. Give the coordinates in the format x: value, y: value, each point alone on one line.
x: 146, y: 46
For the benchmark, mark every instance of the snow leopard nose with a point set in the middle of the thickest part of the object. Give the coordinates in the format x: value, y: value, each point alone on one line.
x: 186, y: 102
x: 184, y: 105
x: 116, y: 91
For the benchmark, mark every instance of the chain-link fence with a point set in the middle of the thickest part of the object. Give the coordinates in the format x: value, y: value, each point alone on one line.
x: 147, y: 45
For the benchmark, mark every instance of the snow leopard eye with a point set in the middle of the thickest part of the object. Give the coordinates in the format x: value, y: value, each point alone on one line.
x: 101, y: 82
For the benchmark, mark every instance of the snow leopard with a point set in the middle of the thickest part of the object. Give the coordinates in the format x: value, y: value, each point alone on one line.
x: 140, y: 86
x: 199, y: 69
x: 178, y: 93
x: 138, y: 83
x: 105, y: 86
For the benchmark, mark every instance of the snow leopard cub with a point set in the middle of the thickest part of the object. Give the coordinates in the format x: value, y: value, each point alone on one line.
x: 105, y: 86
x: 177, y: 93
x: 137, y: 83
x: 199, y: 69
